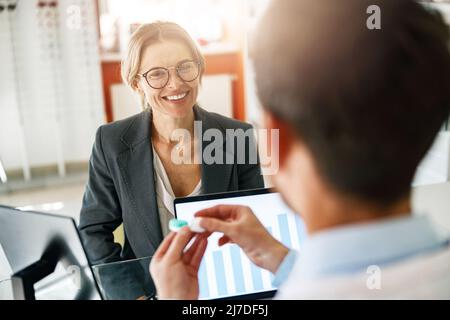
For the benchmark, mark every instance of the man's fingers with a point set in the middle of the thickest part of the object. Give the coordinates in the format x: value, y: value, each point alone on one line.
x: 180, y: 241
x: 198, y: 253
x: 221, y: 211
x: 190, y: 252
x: 162, y: 249
x: 215, y: 225
x: 224, y: 240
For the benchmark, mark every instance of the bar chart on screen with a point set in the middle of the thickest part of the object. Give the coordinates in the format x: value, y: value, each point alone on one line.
x: 226, y: 271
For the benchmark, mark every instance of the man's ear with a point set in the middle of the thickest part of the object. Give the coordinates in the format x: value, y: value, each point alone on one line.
x: 286, y: 135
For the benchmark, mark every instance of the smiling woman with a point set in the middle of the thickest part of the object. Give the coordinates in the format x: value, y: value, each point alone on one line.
x: 154, y: 49
x: 132, y: 178
x: 170, y: 78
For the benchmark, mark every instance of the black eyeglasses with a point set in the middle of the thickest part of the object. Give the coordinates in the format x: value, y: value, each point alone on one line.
x: 157, y: 78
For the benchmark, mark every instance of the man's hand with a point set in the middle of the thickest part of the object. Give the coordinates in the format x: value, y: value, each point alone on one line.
x: 240, y: 225
x: 175, y: 270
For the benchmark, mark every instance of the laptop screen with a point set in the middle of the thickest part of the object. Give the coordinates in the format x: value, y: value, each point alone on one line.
x: 226, y: 272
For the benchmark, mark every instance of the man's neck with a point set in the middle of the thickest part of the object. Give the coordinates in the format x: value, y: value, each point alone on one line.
x: 329, y: 214
x: 322, y: 205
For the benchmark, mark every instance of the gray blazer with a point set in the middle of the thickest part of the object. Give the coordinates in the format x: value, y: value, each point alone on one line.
x: 121, y: 186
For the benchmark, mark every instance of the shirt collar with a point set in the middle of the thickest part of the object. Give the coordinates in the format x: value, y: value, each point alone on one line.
x: 354, y: 248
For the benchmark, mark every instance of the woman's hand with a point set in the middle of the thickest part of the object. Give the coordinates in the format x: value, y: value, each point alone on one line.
x: 174, y: 270
x: 240, y: 225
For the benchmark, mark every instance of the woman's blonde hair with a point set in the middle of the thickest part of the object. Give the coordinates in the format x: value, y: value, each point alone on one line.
x: 146, y: 35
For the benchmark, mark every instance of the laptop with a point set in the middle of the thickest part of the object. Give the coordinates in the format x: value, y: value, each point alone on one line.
x: 225, y: 272
x: 46, y: 256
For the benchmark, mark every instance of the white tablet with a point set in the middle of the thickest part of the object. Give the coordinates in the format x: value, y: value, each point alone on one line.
x: 226, y: 272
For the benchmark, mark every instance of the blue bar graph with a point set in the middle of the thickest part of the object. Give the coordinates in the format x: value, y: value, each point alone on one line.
x: 203, y: 280
x: 241, y: 275
x: 237, y: 268
x: 272, y: 277
x: 220, y: 273
x: 301, y: 231
x: 256, y: 277
x: 284, y: 230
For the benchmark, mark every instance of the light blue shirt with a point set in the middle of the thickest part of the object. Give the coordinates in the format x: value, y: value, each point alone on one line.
x: 353, y: 248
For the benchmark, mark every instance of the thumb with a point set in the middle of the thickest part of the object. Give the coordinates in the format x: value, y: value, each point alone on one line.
x: 216, y: 225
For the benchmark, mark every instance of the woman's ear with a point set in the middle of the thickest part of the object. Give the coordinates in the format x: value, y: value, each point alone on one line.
x: 136, y: 86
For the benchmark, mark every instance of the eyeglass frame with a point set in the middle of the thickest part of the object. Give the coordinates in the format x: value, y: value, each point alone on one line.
x: 168, y: 72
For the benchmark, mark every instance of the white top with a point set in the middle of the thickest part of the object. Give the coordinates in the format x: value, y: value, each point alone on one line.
x: 405, y: 257
x: 422, y: 277
x: 165, y: 195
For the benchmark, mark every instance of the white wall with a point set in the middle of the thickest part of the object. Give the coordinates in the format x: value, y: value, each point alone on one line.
x: 50, y: 95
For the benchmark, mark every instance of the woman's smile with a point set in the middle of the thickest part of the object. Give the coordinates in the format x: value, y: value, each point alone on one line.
x: 177, y: 98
